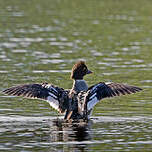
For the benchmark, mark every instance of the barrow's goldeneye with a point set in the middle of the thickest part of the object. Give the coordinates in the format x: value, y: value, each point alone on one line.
x: 78, y: 102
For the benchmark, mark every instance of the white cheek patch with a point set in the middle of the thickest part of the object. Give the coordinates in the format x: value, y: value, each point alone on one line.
x: 92, y: 103
x: 53, y: 103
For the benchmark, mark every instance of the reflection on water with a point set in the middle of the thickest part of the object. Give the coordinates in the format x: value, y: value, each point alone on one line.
x: 17, y: 132
x: 74, y: 131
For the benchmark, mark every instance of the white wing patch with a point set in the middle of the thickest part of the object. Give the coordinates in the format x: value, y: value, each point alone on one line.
x: 92, y: 103
x: 52, y: 99
x: 53, y: 102
x: 92, y: 96
x: 52, y: 95
x: 108, y: 83
x: 93, y: 99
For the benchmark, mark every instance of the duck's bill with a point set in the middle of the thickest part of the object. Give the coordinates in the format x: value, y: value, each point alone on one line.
x: 89, y: 72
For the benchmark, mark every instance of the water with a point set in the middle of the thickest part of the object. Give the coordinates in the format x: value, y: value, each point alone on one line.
x: 41, y: 40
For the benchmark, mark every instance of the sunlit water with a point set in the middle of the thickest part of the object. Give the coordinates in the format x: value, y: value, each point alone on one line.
x: 41, y: 40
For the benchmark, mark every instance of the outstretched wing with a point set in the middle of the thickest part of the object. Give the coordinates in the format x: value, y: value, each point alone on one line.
x: 106, y: 90
x: 55, y: 96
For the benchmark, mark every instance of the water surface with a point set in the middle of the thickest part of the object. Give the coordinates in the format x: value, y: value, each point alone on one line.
x: 41, y: 40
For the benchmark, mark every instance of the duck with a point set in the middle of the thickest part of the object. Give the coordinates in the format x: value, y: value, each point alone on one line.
x: 75, y: 103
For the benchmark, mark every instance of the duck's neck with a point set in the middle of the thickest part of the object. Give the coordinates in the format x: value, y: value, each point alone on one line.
x: 79, y: 85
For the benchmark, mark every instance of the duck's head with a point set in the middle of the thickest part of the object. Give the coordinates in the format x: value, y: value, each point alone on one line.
x: 79, y: 70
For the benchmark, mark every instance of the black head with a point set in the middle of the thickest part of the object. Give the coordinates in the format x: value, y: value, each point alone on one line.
x: 79, y: 70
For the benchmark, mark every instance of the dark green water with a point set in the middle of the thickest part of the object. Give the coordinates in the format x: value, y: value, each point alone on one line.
x: 41, y: 40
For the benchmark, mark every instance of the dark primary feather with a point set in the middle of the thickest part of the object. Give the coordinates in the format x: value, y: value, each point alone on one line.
x: 29, y: 91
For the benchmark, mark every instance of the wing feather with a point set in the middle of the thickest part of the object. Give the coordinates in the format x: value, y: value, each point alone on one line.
x: 106, y: 90
x: 55, y: 96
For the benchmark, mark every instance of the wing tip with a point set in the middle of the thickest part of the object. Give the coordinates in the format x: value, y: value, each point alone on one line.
x: 136, y: 89
x: 6, y: 91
